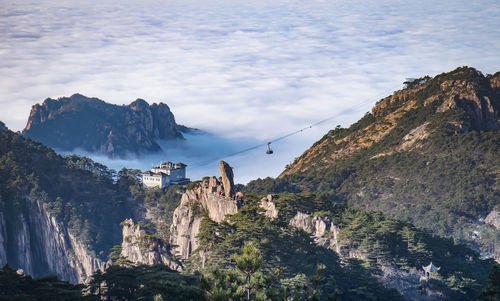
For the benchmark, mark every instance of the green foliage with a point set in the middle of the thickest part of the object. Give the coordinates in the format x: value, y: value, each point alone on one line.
x: 48, y: 288
x: 82, y: 195
x: 446, y: 185
x: 147, y: 282
x: 492, y: 291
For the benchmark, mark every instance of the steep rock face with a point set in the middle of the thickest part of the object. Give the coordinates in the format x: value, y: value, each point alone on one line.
x: 141, y: 248
x: 270, y: 208
x: 95, y: 126
x: 37, y: 243
x: 188, y: 215
x: 477, y: 103
x: 324, y: 233
x: 226, y: 172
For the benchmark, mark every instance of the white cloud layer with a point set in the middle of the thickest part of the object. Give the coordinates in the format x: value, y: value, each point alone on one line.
x: 237, y: 68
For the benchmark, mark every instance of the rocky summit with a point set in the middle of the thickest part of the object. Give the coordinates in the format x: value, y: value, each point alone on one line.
x: 92, y: 125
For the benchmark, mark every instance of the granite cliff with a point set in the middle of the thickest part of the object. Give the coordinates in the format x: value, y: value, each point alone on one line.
x: 95, y: 126
x: 58, y: 215
x: 39, y: 244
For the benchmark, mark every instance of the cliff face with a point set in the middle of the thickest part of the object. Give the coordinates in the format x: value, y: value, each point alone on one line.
x: 37, y: 243
x: 187, y: 217
x: 95, y: 126
x: 141, y: 247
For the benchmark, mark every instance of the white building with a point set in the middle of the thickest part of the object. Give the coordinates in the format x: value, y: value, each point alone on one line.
x: 165, y: 174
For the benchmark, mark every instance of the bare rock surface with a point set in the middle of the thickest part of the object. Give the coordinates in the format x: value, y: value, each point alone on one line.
x: 227, y: 175
x: 188, y: 215
x: 141, y: 248
x: 493, y: 218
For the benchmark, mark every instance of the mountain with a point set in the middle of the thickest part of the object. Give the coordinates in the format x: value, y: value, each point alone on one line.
x: 428, y: 154
x: 95, y: 126
x: 58, y: 215
x: 364, y: 256
x: 70, y: 216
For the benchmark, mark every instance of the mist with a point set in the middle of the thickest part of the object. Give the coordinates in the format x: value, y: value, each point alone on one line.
x: 202, y: 153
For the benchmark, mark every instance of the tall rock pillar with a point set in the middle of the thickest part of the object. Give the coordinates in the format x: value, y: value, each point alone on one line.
x: 227, y: 179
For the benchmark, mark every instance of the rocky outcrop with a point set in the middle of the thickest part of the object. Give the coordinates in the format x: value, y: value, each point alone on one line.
x: 2, y: 126
x: 34, y: 241
x: 481, y: 114
x: 226, y: 172
x: 268, y: 205
x: 324, y: 233
x: 493, y: 218
x: 207, y: 197
x: 95, y: 126
x: 141, y: 247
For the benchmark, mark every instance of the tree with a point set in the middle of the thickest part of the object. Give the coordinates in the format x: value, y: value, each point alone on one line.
x: 492, y: 291
x: 248, y: 263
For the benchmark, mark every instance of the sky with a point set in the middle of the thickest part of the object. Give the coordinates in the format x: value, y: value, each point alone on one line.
x: 245, y: 71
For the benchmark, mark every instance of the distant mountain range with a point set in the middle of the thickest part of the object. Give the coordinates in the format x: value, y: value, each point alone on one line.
x: 92, y: 125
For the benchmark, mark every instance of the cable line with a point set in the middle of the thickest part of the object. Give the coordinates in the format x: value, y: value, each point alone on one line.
x: 357, y: 106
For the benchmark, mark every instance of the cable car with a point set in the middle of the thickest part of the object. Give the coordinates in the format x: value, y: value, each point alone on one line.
x: 269, y: 150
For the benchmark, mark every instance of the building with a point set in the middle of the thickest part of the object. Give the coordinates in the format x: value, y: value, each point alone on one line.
x: 428, y: 270
x: 165, y: 174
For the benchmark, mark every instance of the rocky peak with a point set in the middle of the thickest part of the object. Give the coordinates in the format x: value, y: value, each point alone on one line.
x: 95, y: 126
x: 226, y: 172
x: 476, y: 96
x: 208, y: 196
x: 478, y: 103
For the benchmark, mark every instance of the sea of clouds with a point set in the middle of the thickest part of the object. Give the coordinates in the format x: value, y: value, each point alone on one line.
x: 246, y: 71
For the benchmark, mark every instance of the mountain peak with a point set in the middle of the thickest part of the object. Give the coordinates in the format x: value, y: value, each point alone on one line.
x: 96, y: 126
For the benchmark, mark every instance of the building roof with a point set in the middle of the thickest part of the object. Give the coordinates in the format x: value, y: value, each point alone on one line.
x: 150, y: 173
x: 431, y: 268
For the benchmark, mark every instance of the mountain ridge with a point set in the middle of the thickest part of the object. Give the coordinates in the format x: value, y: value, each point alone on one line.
x: 90, y: 124
x: 427, y: 154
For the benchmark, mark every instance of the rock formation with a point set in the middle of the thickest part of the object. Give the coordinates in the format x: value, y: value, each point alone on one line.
x: 140, y: 247
x: 95, y: 126
x: 188, y: 215
x: 268, y: 205
x: 226, y: 172
x: 38, y: 244
x: 493, y: 218
x: 326, y: 234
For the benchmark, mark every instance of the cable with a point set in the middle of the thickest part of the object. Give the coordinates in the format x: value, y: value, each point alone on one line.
x: 206, y: 162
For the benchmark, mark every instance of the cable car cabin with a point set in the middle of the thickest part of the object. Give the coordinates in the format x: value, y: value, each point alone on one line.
x: 269, y: 150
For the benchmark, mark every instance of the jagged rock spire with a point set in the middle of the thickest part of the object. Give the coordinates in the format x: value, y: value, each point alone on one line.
x: 226, y: 172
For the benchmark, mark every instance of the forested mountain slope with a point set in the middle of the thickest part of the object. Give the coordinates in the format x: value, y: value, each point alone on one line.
x: 58, y: 215
x: 428, y: 154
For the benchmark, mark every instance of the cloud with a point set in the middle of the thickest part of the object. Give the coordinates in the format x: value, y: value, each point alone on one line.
x: 239, y: 69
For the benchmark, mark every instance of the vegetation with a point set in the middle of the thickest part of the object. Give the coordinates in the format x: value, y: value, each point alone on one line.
x: 446, y: 184
x: 83, y: 196
x: 492, y: 292
x: 14, y: 286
